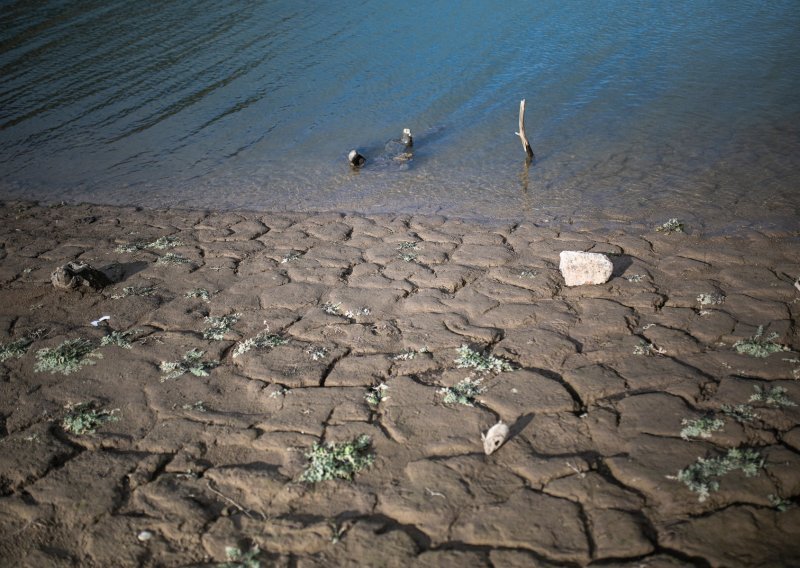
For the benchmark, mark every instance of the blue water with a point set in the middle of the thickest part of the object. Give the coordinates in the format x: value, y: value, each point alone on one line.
x: 633, y: 109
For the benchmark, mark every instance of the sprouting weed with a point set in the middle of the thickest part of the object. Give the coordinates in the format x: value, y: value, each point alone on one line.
x: 758, y: 346
x: 66, y: 358
x: 260, y: 341
x: 407, y: 245
x: 780, y: 504
x: 710, y: 299
x: 219, y: 326
x: 191, y: 363
x: 528, y: 274
x: 407, y: 256
x: 337, y: 460
x: 671, y: 226
x: 635, y: 278
x: 776, y: 396
x: 740, y: 412
x: 172, y: 258
x: 375, y: 395
x: 700, y: 427
x: 292, y: 256
x: 18, y: 348
x: 84, y: 418
x: 648, y: 349
x: 119, y: 338
x: 238, y: 558
x: 132, y: 247
x: 463, y: 392
x: 198, y: 406
x: 332, y: 309
x: 163, y: 243
x: 135, y: 291
x: 405, y: 355
x: 701, y: 477
x: 200, y: 293
x: 470, y: 359
x: 317, y: 353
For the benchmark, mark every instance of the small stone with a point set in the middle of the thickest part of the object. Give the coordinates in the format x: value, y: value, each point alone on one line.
x: 144, y: 536
x: 580, y: 268
x: 77, y: 275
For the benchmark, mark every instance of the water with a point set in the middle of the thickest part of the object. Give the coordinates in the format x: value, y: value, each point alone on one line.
x: 634, y: 110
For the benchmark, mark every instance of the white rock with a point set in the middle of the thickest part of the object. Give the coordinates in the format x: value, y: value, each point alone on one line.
x: 579, y: 268
x: 144, y: 536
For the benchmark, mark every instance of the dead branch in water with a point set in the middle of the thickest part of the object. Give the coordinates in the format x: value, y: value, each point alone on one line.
x: 526, y: 146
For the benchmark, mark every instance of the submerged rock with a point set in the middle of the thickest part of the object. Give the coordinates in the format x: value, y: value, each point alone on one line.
x: 579, y: 268
x: 75, y: 275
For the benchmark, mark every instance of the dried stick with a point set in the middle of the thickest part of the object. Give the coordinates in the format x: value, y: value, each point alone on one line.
x: 525, y: 145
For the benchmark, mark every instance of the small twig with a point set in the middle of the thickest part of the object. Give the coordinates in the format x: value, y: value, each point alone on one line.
x: 525, y: 145
x: 234, y: 503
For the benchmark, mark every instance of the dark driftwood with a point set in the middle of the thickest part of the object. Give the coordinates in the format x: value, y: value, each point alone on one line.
x: 76, y: 275
x: 521, y: 133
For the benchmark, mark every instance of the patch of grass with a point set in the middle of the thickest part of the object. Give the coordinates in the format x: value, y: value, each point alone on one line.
x: 740, y: 412
x: 700, y: 427
x: 238, y: 558
x: 84, y: 418
x: 375, y: 395
x: 172, y: 258
x: 463, y: 392
x: 776, y: 396
x: 710, y: 299
x: 135, y: 291
x: 670, y: 226
x: 200, y: 293
x: 702, y: 476
x: 66, y: 358
x: 468, y: 358
x: 648, y: 349
x: 337, y: 461
x: 119, y: 338
x: 758, y: 346
x: 191, y: 363
x: 219, y: 326
x: 260, y: 341
x: 18, y: 348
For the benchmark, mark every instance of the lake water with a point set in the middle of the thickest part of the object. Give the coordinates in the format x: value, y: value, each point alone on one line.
x: 634, y: 110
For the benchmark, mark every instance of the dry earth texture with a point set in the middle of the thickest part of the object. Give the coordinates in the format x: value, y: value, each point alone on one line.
x: 652, y: 418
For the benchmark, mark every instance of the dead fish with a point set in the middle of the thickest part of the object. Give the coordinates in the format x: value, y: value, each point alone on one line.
x: 494, y: 438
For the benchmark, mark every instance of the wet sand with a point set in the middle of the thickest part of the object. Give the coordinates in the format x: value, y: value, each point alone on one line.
x: 602, y: 378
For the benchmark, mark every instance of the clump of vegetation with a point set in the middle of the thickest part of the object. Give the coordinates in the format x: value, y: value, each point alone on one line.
x: 292, y: 256
x: 528, y: 273
x: 135, y: 291
x: 317, y: 353
x: 463, y: 392
x: 66, y: 358
x: 740, y: 412
x: 160, y: 243
x: 84, y: 418
x: 219, y: 326
x: 671, y: 226
x: 119, y: 338
x: 332, y: 309
x: 780, y: 504
x: 18, y: 348
x: 648, y: 349
x: 635, y: 278
x: 702, y: 476
x: 375, y: 395
x: 776, y: 396
x: 238, y: 558
x: 365, y: 311
x: 407, y: 355
x: 468, y: 358
x: 172, y: 258
x: 337, y: 461
x: 260, y: 341
x: 710, y: 299
x: 700, y: 427
x: 198, y: 406
x: 758, y: 346
x: 191, y: 363
x: 408, y: 256
x: 407, y: 245
x: 200, y: 293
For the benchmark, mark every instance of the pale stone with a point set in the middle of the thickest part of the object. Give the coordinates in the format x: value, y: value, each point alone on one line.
x: 579, y: 268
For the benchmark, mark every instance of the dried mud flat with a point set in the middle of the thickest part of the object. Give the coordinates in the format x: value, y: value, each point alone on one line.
x: 604, y: 380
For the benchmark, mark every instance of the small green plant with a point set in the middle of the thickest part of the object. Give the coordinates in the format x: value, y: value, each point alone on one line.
x: 200, y: 293
x: 191, y: 363
x: 365, y: 311
x: 172, y: 258
x: 780, y: 504
x: 18, y: 348
x: 337, y: 460
x: 292, y: 256
x: 702, y: 476
x: 758, y: 346
x: 119, y: 338
x: 407, y: 256
x: 332, y: 309
x: 405, y: 355
x: 710, y: 299
x: 198, y: 406
x: 528, y: 274
x: 648, y: 349
x: 260, y: 341
x: 375, y: 395
x: 470, y: 359
x: 463, y: 392
x: 135, y: 291
x: 219, y: 326
x: 66, y: 358
x: 317, y: 353
x: 163, y: 243
x: 407, y: 245
x: 84, y: 418
x: 634, y: 278
x: 700, y: 427
x: 671, y: 226
x: 776, y: 396
x: 238, y: 558
x: 740, y: 412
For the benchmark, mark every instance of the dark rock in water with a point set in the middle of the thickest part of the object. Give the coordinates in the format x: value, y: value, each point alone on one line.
x: 406, y: 138
x: 356, y: 160
x: 77, y: 275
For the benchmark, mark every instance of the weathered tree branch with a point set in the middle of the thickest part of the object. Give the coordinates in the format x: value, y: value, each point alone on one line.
x: 525, y: 145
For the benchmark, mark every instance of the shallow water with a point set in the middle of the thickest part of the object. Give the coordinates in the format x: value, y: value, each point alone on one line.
x: 634, y: 111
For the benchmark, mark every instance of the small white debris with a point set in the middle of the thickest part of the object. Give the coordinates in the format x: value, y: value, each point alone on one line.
x: 797, y: 284
x: 579, y: 268
x: 494, y: 438
x: 144, y: 536
x: 100, y: 320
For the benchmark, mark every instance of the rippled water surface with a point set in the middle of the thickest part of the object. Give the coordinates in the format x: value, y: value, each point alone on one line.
x: 633, y: 109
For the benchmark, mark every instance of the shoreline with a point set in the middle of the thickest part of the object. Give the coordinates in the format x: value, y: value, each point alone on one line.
x: 600, y: 385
